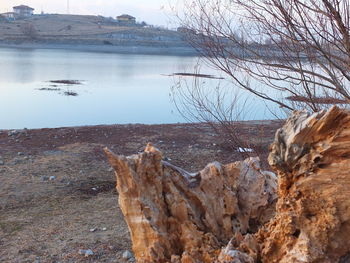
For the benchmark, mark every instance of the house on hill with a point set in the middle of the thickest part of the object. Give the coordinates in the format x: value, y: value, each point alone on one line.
x: 126, y: 19
x: 9, y: 15
x: 23, y: 10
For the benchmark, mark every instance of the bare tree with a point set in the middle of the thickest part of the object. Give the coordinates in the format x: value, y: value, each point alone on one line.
x: 293, y: 53
x: 276, y: 48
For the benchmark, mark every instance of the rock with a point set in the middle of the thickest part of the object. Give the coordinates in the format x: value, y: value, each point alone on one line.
x: 177, y: 216
x: 88, y: 252
x: 52, y: 178
x: 44, y: 178
x: 2, y: 162
x: 104, y: 228
x: 92, y: 229
x: 127, y: 255
x: 20, y: 154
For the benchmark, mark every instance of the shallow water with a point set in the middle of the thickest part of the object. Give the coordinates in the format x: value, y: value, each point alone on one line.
x: 116, y: 88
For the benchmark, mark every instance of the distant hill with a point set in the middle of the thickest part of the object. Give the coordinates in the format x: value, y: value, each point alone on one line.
x: 87, y: 30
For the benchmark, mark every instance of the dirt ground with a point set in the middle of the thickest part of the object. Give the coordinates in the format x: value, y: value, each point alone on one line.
x: 58, y: 191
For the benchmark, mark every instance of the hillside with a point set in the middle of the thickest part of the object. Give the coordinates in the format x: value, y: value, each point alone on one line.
x: 87, y: 30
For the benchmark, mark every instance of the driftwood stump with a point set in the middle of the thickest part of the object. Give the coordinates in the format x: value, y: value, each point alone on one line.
x: 176, y: 216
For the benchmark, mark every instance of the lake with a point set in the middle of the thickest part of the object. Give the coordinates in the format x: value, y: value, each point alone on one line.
x: 115, y: 89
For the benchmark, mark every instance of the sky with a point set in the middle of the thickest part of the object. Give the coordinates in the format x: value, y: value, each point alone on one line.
x: 151, y: 11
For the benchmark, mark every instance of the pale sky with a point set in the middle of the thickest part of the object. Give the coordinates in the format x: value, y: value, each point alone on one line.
x: 150, y: 11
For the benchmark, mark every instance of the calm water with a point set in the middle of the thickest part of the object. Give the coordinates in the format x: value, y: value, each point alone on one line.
x: 116, y: 88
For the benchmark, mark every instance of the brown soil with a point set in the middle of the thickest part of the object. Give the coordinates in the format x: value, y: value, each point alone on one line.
x: 43, y: 220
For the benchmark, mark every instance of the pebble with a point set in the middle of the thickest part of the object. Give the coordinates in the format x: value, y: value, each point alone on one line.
x: 92, y: 229
x: 86, y: 253
x: 2, y: 162
x: 20, y: 153
x: 51, y: 178
x: 104, y: 228
x: 127, y: 254
x: 110, y: 169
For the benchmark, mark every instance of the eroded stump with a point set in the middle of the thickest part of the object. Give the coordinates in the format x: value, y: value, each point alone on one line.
x: 176, y: 216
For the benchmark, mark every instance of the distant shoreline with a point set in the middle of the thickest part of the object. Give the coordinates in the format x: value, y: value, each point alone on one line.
x: 137, y: 49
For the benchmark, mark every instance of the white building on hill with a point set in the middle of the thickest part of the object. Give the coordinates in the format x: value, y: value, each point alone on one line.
x: 23, y: 10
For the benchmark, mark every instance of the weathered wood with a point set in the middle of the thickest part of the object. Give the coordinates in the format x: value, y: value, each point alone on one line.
x: 311, y: 155
x: 177, y: 216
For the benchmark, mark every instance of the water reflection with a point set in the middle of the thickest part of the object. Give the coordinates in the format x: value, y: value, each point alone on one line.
x: 117, y: 88
x: 20, y: 68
